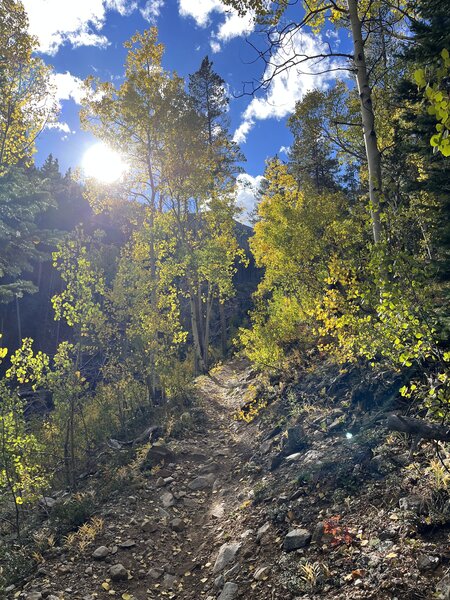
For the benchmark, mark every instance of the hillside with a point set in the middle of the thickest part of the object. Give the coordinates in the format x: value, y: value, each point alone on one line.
x: 286, y: 506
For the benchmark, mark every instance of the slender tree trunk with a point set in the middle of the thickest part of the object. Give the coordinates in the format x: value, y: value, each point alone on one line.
x: 223, y: 327
x: 152, y: 253
x: 207, y: 326
x: 200, y: 318
x: 368, y: 120
x: 195, y: 332
x: 72, y: 443
x: 19, y: 321
x: 66, y: 454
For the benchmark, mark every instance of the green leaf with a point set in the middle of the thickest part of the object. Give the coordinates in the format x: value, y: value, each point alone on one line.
x: 435, y: 139
x: 419, y: 77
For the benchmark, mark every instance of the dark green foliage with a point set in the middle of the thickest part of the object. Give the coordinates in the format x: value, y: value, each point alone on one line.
x: 70, y: 514
x: 16, y: 563
x: 311, y: 159
x: 23, y: 199
x: 431, y: 35
x: 208, y: 96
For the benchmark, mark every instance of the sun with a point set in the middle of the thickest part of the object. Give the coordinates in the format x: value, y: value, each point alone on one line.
x: 102, y: 163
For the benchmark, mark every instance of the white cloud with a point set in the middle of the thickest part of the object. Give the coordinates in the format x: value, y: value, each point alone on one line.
x: 289, y: 84
x: 215, y: 46
x: 200, y: 10
x: 240, y: 135
x: 63, y: 86
x: 60, y: 126
x: 123, y: 7
x: 67, y: 87
x: 284, y: 150
x: 152, y: 10
x: 56, y: 22
x: 233, y: 25
x: 246, y: 195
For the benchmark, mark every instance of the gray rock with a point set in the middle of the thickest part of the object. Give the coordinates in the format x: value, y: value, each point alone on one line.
x: 266, y: 447
x: 262, y: 531
x: 247, y: 533
x: 295, y: 440
x: 294, y: 457
x: 34, y: 596
x: 202, y: 483
x: 118, y: 572
x: 155, y: 573
x: 229, y: 591
x: 313, y: 459
x: 217, y: 511
x: 412, y: 503
x: 276, y: 460
x: 167, y: 499
x: 127, y: 544
x: 157, y: 454
x: 427, y: 563
x: 169, y: 581
x: 163, y: 513
x: 219, y: 582
x: 297, y: 538
x: 212, y: 467
x: 47, y: 502
x: 177, y: 524
x: 148, y: 526
x: 100, y: 553
x: 227, y: 554
x: 318, y: 533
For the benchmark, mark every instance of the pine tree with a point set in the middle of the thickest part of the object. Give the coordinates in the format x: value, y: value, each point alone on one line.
x: 428, y: 176
x: 210, y: 101
x: 22, y: 243
x: 311, y: 160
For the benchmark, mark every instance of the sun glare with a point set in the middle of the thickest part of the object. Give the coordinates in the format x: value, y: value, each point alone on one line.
x: 102, y: 163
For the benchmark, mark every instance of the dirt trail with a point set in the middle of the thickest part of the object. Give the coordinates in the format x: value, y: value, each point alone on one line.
x: 167, y: 529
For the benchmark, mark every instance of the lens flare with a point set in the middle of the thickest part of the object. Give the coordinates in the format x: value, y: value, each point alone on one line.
x: 102, y: 163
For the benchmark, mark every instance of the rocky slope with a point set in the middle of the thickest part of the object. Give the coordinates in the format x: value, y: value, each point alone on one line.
x: 311, y: 499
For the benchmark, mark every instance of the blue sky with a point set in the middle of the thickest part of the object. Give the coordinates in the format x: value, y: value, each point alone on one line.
x: 83, y: 37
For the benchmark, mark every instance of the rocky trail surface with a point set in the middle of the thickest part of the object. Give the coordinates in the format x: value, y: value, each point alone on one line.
x: 283, y: 508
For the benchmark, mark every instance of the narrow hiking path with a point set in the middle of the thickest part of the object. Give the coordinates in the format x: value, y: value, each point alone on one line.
x: 285, y: 507
x: 162, y: 535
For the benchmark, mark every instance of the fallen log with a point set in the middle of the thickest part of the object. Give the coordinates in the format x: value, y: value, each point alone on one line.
x: 418, y: 428
x: 151, y: 434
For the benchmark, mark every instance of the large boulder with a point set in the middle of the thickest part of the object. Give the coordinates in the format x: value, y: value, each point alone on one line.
x: 229, y: 591
x: 227, y: 554
x: 202, y: 482
x: 295, y: 440
x: 158, y: 453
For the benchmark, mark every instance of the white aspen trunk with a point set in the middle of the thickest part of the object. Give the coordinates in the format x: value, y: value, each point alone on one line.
x: 195, y: 332
x: 223, y: 327
x: 207, y: 326
x: 368, y: 120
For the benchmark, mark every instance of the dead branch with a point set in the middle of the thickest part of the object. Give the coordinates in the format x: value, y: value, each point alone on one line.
x: 418, y: 428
